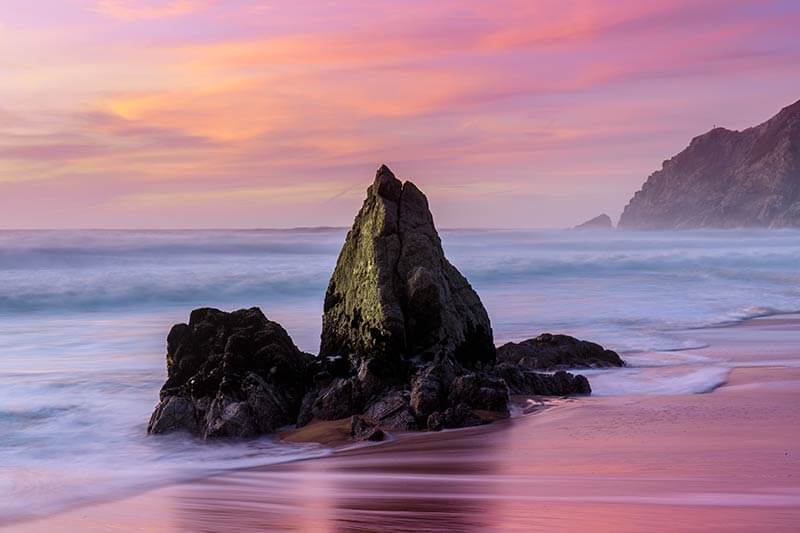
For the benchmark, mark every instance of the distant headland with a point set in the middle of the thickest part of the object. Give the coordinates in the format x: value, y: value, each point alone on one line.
x: 726, y: 179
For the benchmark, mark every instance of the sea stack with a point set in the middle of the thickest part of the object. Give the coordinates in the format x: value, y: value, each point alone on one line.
x: 408, y: 325
x: 393, y: 292
x: 726, y: 179
x: 600, y: 222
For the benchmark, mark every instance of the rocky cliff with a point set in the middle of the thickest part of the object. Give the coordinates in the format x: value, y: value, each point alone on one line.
x: 726, y: 179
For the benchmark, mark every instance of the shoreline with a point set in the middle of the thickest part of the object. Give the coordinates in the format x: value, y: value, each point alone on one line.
x: 595, y: 462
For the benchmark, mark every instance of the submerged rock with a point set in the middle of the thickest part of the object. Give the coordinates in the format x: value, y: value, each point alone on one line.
x: 393, y: 293
x: 230, y: 375
x: 554, y: 352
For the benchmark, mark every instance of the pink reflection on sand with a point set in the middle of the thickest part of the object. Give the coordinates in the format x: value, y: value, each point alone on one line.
x: 722, y: 461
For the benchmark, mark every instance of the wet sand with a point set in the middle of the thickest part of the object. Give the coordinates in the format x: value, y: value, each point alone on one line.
x: 728, y: 460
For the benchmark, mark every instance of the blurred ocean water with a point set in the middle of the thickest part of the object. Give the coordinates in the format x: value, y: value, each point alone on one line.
x: 84, y: 315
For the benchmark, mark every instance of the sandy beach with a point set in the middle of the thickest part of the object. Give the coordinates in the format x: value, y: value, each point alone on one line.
x: 724, y: 461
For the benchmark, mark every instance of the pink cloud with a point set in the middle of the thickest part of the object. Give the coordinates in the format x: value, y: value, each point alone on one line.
x: 54, y: 152
x: 148, y: 9
x: 203, y: 100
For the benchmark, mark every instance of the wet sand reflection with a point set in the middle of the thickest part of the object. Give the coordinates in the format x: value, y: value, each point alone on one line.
x: 614, y: 464
x: 417, y: 484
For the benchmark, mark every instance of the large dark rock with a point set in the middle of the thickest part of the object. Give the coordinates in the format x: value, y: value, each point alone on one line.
x: 726, y: 179
x: 230, y: 375
x: 554, y: 352
x: 393, y: 293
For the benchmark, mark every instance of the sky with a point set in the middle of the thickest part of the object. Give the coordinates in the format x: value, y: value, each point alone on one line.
x: 252, y: 114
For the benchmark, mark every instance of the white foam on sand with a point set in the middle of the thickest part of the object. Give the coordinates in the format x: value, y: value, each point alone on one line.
x: 46, y: 483
x: 662, y: 359
x: 657, y: 381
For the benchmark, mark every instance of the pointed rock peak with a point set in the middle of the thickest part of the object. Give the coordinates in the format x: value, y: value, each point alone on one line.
x: 393, y: 292
x: 384, y: 170
x: 387, y: 185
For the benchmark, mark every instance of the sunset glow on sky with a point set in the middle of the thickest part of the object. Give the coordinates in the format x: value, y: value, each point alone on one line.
x: 243, y: 113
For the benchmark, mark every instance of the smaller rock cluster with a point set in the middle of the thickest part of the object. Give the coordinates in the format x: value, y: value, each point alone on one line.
x: 557, y: 352
x: 230, y: 375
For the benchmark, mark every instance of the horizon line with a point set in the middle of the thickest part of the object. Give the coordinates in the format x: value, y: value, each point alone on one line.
x: 293, y: 228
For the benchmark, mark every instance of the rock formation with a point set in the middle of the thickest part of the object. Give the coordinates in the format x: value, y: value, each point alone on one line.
x: 406, y: 344
x: 726, y: 179
x: 394, y: 294
x: 230, y: 375
x: 413, y: 332
x: 602, y: 222
x: 404, y: 320
x: 557, y: 352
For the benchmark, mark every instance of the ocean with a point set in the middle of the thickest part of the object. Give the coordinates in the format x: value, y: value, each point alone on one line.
x: 84, y: 316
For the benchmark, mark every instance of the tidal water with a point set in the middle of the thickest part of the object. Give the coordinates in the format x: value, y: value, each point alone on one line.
x: 84, y: 315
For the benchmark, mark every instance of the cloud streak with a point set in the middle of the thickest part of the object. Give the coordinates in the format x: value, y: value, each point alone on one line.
x: 198, y: 113
x: 132, y: 10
